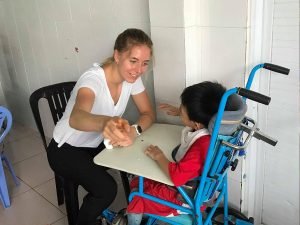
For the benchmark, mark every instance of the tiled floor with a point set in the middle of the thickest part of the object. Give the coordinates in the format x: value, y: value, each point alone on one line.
x: 33, y: 202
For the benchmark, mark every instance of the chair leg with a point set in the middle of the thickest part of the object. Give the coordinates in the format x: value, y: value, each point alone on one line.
x: 59, y: 183
x: 125, y: 185
x: 10, y: 168
x: 3, y: 187
x: 71, y: 200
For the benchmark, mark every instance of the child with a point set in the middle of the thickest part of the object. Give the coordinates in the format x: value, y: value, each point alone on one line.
x: 199, y: 103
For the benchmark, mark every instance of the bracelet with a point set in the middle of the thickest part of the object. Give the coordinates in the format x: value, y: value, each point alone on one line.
x: 138, y: 129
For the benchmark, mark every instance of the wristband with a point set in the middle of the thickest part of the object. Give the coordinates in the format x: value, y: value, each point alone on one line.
x: 138, y: 129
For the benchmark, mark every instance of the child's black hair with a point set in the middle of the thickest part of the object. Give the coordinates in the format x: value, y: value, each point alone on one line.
x: 202, y: 101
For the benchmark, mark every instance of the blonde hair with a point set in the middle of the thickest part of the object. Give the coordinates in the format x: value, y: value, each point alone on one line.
x: 127, y: 39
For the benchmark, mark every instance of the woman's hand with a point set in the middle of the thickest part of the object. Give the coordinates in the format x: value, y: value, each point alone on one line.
x: 154, y: 152
x: 169, y: 109
x: 129, y: 138
x: 118, y: 131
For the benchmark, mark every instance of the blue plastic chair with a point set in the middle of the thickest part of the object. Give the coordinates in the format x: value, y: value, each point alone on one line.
x: 5, y: 126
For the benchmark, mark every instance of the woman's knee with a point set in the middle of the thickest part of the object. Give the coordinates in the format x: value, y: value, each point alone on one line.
x: 112, y: 190
x: 104, y: 186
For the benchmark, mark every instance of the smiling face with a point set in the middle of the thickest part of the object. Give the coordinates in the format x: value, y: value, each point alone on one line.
x: 133, y: 62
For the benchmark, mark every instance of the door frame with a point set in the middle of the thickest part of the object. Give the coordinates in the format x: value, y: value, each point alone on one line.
x: 259, y: 45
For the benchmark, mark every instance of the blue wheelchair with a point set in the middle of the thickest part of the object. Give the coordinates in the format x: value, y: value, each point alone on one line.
x: 231, y: 131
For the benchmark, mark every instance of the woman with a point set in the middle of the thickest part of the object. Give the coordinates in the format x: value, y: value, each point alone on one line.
x: 93, y: 113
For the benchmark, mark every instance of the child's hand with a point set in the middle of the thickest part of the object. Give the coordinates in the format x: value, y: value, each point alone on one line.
x: 169, y: 109
x: 154, y: 152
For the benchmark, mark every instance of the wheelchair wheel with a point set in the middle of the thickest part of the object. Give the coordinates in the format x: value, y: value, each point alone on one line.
x: 233, y: 214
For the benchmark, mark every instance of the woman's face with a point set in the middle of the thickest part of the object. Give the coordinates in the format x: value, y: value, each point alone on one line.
x: 133, y: 63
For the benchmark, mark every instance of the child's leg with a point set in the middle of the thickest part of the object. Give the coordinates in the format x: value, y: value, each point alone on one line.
x: 134, y: 218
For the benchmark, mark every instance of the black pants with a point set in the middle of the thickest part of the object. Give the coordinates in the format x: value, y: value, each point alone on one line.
x: 76, y: 164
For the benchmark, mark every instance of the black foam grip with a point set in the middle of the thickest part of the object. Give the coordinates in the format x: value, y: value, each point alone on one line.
x: 275, y: 68
x: 255, y: 96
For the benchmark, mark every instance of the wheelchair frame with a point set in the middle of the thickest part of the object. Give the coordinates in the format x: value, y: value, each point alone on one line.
x: 222, y: 155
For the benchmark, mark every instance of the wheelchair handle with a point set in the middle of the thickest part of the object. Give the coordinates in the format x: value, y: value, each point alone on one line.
x: 276, y: 68
x: 255, y: 96
x: 268, y: 66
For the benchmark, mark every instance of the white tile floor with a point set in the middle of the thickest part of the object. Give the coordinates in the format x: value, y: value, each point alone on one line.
x: 33, y: 202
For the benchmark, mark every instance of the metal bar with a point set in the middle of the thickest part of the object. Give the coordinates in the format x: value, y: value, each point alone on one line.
x: 259, y: 135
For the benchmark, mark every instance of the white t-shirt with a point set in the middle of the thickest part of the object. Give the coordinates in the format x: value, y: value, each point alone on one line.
x: 94, y: 78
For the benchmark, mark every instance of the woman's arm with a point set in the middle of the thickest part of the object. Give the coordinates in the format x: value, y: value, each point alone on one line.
x: 82, y: 119
x: 147, y: 115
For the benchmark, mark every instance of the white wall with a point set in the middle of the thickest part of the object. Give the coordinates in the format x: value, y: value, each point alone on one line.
x: 280, y: 203
x: 2, y: 60
x: 168, y: 34
x: 39, y: 38
x: 197, y: 41
x: 217, y: 42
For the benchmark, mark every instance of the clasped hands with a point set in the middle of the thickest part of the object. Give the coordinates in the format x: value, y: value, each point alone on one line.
x: 119, y: 132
